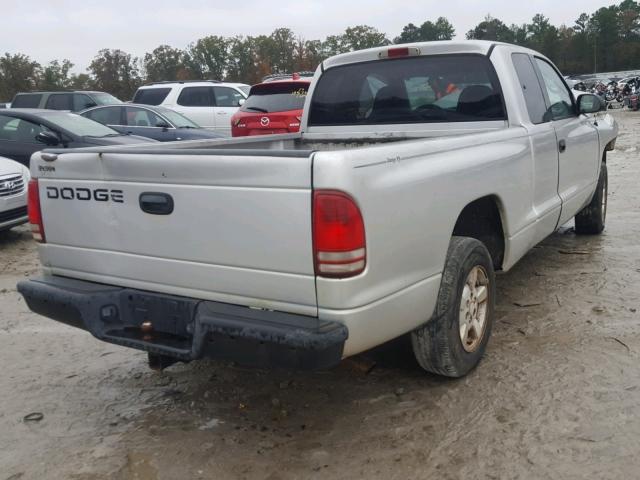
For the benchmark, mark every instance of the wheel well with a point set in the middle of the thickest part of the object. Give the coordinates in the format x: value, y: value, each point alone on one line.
x: 481, y: 220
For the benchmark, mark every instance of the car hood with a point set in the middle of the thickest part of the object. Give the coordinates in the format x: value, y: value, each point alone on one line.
x: 119, y: 140
x: 9, y: 167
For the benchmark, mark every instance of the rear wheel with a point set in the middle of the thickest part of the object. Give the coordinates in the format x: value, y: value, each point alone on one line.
x: 591, y: 219
x: 454, y: 340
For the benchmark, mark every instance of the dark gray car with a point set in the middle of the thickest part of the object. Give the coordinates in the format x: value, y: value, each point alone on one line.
x: 73, y: 101
x: 159, y: 123
x: 25, y: 131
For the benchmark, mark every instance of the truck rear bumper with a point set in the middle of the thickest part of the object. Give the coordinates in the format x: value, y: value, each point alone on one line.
x: 185, y: 328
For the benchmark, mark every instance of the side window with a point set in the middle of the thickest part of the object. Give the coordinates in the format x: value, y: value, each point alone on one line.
x: 139, y: 117
x: 196, y: 97
x: 82, y: 101
x: 59, y: 101
x: 530, y: 88
x: 31, y: 100
x: 18, y: 130
x: 106, y: 116
x: 227, y: 97
x: 559, y: 95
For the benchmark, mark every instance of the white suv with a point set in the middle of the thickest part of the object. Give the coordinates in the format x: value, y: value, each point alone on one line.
x: 14, y: 178
x: 209, y: 103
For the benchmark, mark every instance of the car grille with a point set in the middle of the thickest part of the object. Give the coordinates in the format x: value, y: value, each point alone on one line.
x: 11, y: 185
x: 13, y: 214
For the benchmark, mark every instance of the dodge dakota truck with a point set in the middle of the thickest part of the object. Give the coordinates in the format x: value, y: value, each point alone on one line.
x: 419, y: 171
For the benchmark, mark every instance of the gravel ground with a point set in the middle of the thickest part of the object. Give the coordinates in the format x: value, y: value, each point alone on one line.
x: 556, y: 395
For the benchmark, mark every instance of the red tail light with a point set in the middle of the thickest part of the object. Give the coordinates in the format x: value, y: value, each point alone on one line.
x: 338, y: 235
x: 35, y: 214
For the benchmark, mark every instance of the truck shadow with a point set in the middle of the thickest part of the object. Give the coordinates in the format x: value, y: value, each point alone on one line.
x: 225, y: 406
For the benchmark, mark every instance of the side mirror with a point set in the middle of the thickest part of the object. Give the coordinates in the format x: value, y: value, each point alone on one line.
x: 49, y: 138
x: 588, y: 103
x: 162, y: 124
x: 241, y: 102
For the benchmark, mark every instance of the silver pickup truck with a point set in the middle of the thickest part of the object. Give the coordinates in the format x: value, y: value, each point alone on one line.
x: 419, y: 171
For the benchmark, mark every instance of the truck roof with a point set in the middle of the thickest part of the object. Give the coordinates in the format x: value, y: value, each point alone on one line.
x: 481, y: 47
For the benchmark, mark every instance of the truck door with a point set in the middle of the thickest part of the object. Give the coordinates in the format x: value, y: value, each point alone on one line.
x: 577, y: 142
x: 546, y: 201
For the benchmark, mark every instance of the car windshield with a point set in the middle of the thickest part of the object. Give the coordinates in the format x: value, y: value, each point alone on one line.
x: 276, y: 97
x: 178, y: 120
x: 424, y: 89
x: 80, y: 126
x: 105, y: 99
x: 245, y: 88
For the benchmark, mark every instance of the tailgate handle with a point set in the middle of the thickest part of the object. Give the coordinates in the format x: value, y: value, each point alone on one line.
x: 156, y: 203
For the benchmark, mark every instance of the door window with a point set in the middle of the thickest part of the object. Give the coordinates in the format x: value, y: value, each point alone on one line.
x: 59, y: 101
x: 18, y: 130
x: 139, y: 117
x: 560, y: 98
x: 27, y: 100
x: 530, y: 88
x: 106, y: 116
x: 82, y: 101
x: 227, y: 97
x: 196, y: 97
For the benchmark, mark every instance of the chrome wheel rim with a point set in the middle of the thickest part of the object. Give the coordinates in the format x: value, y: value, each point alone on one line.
x: 474, y: 308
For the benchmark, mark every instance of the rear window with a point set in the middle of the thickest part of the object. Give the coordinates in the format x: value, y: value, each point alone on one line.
x: 276, y: 97
x: 151, y: 96
x: 26, y: 100
x: 443, y: 88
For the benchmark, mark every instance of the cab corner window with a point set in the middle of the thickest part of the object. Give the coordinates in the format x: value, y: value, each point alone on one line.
x: 531, y: 89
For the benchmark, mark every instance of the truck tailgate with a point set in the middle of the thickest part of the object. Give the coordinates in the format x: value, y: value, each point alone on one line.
x: 239, y: 231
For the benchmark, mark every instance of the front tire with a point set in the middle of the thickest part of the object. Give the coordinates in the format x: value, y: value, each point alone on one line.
x: 454, y: 340
x: 591, y: 219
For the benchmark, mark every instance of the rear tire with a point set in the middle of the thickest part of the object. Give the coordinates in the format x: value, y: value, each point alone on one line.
x: 591, y: 219
x: 454, y: 340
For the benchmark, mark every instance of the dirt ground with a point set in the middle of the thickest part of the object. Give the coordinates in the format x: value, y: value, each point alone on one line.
x: 556, y: 396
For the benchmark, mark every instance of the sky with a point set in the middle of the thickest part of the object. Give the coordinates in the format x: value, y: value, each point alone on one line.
x: 76, y: 30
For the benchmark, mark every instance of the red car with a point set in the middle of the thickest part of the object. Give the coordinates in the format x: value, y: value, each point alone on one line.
x: 274, y: 106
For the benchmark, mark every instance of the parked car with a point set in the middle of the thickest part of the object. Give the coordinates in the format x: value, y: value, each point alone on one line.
x: 72, y: 101
x: 5, y: 105
x: 208, y: 103
x: 159, y: 123
x: 274, y: 106
x: 25, y: 131
x: 419, y: 170
x: 14, y: 179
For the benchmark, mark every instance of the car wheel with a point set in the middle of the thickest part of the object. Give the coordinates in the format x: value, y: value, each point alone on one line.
x: 454, y: 340
x: 591, y: 219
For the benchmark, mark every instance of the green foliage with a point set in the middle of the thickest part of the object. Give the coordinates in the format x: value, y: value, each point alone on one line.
x: 116, y: 72
x: 606, y: 40
x: 429, y: 31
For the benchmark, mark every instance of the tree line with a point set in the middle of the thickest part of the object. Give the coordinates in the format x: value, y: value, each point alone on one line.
x: 606, y: 40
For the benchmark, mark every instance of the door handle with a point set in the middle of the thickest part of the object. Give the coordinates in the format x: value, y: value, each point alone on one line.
x: 562, y: 146
x: 156, y: 203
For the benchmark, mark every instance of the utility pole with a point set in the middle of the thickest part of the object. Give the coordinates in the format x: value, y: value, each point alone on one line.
x: 595, y: 54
